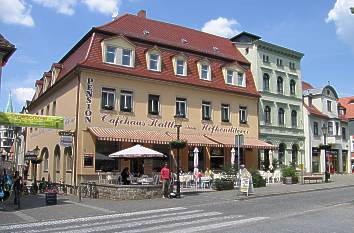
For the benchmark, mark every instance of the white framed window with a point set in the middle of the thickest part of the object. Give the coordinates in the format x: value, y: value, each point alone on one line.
x: 329, y: 106
x: 225, y: 112
x: 154, y: 61
x: 206, y: 110
x: 243, y: 114
x: 119, y: 56
x: 230, y: 77
x: 204, y: 73
x: 241, y: 79
x: 181, y: 107
x: 154, y: 104
x: 181, y: 68
x: 108, y: 98
x: 111, y: 54
x: 126, y: 57
x: 126, y: 101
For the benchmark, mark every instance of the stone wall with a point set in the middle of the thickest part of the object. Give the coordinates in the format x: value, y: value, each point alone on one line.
x: 128, y: 192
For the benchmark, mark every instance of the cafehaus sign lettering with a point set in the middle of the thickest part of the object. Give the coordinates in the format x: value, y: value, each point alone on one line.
x: 89, y: 94
x: 156, y: 123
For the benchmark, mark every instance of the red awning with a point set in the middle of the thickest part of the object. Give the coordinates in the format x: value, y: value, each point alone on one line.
x: 195, y: 140
x: 229, y: 141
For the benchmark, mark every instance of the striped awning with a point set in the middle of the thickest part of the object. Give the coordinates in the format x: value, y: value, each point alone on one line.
x: 195, y: 139
x: 125, y: 135
x: 229, y: 141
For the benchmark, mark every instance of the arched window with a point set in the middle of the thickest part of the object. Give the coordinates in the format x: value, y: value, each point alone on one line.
x: 293, y: 119
x: 281, y: 153
x: 266, y: 82
x: 69, y: 158
x: 281, y: 118
x: 57, y: 158
x: 292, y: 87
x: 280, y: 85
x: 294, y: 152
x: 267, y: 115
x: 45, y: 156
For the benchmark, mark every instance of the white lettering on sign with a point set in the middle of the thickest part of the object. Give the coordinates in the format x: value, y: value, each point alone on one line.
x: 89, y: 94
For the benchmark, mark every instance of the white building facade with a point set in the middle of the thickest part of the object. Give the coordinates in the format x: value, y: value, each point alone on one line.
x: 322, y: 111
x: 277, y: 74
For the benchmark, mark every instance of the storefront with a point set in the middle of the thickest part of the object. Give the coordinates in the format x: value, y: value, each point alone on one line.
x: 316, y: 162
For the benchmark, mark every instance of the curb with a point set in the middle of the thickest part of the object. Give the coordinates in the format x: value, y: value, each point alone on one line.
x: 291, y: 192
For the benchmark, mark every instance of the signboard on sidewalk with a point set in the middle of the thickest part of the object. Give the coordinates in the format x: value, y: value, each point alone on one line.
x: 29, y: 120
x: 245, y: 184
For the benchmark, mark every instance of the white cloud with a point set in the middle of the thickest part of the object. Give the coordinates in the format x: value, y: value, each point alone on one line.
x: 103, y: 6
x: 221, y: 27
x: 65, y: 7
x: 22, y: 94
x: 16, y: 12
x: 343, y: 19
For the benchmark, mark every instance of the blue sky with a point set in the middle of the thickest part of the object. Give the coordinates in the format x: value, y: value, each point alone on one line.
x: 44, y: 30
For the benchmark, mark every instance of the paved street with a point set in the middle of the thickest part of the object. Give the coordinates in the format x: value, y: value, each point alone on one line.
x: 311, y: 211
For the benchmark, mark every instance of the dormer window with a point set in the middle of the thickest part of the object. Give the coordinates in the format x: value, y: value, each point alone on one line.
x: 154, y: 60
x: 180, y: 65
x: 127, y: 57
x: 234, y: 77
x: 204, y: 70
x: 204, y: 74
x: 111, y: 54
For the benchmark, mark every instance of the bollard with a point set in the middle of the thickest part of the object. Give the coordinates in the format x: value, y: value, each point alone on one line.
x: 79, y: 193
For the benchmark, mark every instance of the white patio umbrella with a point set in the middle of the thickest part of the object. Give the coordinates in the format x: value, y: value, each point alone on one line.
x: 196, y: 160
x: 137, y: 151
x: 233, y: 156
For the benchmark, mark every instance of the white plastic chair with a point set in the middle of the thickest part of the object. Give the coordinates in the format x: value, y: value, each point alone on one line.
x: 277, y: 176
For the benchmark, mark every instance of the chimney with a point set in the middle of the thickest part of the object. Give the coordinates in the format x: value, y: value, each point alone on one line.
x: 142, y: 14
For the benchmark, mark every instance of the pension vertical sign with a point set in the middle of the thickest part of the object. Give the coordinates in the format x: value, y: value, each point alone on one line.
x: 89, y: 96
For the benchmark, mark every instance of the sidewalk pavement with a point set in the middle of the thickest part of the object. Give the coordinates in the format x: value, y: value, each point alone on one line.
x: 337, y: 181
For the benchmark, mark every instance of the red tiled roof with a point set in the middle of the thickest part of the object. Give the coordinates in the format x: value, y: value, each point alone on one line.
x: 169, y: 34
x: 348, y: 103
x: 94, y: 60
x: 87, y: 53
x: 306, y: 86
x: 314, y: 111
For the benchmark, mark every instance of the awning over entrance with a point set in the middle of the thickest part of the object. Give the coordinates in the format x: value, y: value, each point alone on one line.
x: 229, y: 141
x: 124, y: 135
x: 195, y: 139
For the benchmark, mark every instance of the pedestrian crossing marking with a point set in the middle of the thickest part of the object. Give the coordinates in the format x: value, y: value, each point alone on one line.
x: 85, y: 219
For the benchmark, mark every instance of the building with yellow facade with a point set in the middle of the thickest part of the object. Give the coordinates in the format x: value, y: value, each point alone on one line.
x: 125, y: 82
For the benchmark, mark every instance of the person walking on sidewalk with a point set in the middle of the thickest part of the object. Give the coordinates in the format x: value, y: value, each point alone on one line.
x: 165, y: 178
x: 17, y: 189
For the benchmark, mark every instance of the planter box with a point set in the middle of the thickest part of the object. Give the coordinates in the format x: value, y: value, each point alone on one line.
x: 290, y: 180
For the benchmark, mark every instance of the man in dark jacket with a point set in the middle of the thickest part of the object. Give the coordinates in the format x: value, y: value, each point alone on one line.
x: 17, y: 189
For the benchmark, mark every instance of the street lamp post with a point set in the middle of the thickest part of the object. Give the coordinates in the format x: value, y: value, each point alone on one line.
x: 324, y: 132
x: 178, y: 125
x: 34, y: 164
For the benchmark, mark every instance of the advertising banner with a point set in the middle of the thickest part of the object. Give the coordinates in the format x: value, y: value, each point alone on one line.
x: 28, y: 120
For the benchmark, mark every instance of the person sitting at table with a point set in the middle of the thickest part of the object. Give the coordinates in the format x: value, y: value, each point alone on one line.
x: 125, y: 175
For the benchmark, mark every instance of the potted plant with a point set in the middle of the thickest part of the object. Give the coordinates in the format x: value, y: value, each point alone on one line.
x: 178, y: 144
x: 289, y: 175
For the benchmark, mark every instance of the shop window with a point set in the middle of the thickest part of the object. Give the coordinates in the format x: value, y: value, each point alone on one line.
x: 225, y: 112
x: 102, y: 161
x: 217, y: 159
x: 201, y: 160
x: 181, y: 107
x: 88, y: 160
x: 126, y: 101
x: 154, y: 104
x: 206, y: 110
x: 108, y: 98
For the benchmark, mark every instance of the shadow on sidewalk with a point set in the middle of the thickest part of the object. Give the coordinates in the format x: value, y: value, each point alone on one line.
x: 32, y: 202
